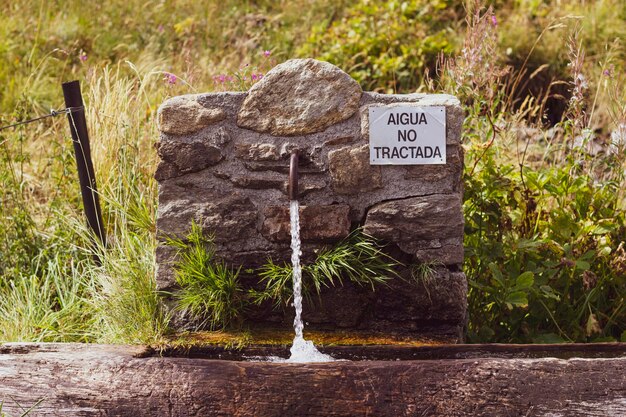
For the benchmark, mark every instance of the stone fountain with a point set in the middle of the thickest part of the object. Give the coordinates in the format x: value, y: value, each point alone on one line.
x: 225, y: 162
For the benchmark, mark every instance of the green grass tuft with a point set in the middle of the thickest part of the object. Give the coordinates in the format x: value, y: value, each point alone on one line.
x: 210, y: 292
x: 358, y: 259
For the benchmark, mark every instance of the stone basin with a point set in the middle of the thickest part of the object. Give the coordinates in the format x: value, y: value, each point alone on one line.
x: 445, y: 380
x: 407, y: 353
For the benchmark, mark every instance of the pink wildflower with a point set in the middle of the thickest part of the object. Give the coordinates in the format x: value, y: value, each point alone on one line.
x: 267, y: 53
x: 82, y: 56
x: 170, y: 78
x: 494, y: 21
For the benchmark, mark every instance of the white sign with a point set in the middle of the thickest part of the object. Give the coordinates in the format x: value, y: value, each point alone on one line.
x: 407, y: 135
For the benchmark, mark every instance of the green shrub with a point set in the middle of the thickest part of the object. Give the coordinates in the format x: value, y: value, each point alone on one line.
x: 544, y: 211
x: 387, y: 45
x: 544, y: 254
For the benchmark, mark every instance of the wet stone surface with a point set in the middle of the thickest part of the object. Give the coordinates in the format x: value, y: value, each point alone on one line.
x: 317, y: 223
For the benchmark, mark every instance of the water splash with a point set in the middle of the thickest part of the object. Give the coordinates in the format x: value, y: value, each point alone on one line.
x: 301, y: 350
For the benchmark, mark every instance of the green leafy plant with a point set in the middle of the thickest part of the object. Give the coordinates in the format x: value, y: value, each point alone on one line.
x: 210, y: 291
x: 358, y: 259
x: 544, y: 211
x: 543, y: 255
x: 387, y: 45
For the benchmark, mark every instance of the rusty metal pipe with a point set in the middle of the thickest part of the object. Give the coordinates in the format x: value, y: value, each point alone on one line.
x: 293, y: 176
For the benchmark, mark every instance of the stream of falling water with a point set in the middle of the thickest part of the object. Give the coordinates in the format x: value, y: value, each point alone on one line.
x: 301, y: 350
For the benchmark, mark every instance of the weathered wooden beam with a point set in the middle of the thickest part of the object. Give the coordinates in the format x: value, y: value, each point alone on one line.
x: 101, y: 380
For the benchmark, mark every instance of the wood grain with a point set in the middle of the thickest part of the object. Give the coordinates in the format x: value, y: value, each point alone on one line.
x: 102, y: 380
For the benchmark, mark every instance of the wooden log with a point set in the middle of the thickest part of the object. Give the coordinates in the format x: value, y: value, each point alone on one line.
x: 101, y: 380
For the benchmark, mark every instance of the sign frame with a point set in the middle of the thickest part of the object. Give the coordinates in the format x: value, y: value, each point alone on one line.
x: 405, y: 134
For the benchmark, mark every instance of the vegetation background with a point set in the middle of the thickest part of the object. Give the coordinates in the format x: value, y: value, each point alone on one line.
x: 545, y: 140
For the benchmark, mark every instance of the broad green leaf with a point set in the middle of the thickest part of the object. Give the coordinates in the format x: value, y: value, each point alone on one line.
x: 551, y: 189
x: 548, y: 292
x: 593, y: 326
x: 525, y: 280
x: 496, y: 274
x: 602, y: 229
x: 582, y: 265
x: 529, y: 244
x: 554, y: 247
x: 518, y: 299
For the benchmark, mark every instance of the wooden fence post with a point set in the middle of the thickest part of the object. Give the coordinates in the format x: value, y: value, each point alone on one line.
x: 86, y: 176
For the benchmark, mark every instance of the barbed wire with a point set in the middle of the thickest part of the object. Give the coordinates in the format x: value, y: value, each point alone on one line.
x: 52, y: 113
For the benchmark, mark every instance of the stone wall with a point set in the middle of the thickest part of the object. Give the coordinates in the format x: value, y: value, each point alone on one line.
x: 225, y: 162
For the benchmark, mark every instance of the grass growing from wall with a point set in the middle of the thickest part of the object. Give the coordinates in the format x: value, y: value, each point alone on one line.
x: 544, y: 139
x: 211, y: 294
x: 358, y: 259
x: 210, y: 291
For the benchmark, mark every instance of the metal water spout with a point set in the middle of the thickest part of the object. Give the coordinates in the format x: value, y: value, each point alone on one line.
x: 293, y: 176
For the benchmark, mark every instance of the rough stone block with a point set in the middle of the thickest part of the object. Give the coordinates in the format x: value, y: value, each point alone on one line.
x: 165, y: 171
x: 439, y: 295
x: 339, y: 140
x: 441, y: 251
x: 258, y: 152
x: 344, y: 306
x: 259, y: 183
x: 184, y: 115
x: 165, y: 278
x: 452, y: 169
x: 351, y: 172
x: 317, y: 223
x: 227, y: 218
x: 254, y: 180
x: 298, y: 97
x: 191, y: 156
x: 411, y: 222
x: 184, y: 155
